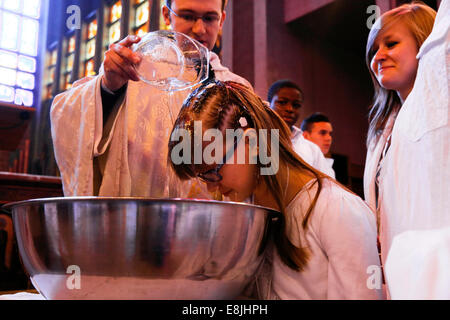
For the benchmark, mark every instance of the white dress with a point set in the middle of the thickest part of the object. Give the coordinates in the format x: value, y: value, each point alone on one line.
x: 310, y: 153
x: 131, y: 147
x: 342, y: 238
x: 415, y: 177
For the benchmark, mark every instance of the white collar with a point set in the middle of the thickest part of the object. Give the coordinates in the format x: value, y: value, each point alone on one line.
x: 296, y: 132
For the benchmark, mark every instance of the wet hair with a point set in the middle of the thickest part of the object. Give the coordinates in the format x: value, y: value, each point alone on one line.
x: 419, y: 19
x: 280, y: 84
x: 221, y: 105
x: 307, y: 124
x: 224, y: 3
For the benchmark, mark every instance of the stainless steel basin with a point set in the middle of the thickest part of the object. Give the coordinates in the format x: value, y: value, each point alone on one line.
x: 136, y: 248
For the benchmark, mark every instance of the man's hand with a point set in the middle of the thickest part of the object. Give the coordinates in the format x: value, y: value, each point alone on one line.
x: 119, y: 64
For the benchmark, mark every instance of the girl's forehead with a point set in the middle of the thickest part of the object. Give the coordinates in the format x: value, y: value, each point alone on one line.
x: 394, y: 29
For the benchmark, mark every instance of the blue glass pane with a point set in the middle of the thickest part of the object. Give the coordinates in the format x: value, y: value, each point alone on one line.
x: 7, y: 76
x: 32, y: 8
x: 25, y: 80
x: 27, y: 64
x: 8, y: 59
x: 29, y: 41
x: 24, y: 97
x: 13, y: 5
x: 9, y: 31
x: 6, y: 94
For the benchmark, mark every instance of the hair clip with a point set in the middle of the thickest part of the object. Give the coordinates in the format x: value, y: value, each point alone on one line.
x: 243, y: 122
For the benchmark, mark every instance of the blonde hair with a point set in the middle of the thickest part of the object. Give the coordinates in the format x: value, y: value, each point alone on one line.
x: 221, y: 106
x: 419, y: 19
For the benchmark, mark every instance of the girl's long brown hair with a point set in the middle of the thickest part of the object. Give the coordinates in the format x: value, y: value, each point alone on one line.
x: 221, y: 105
x: 419, y: 19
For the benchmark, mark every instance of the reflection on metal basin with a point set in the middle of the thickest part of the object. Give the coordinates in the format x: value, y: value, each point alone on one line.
x: 136, y: 248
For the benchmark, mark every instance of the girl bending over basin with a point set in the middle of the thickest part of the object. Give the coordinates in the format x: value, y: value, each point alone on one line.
x: 325, y: 244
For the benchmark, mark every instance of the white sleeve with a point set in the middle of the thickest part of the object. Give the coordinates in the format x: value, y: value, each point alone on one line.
x: 74, y: 118
x: 418, y: 264
x: 312, y: 155
x: 348, y: 235
x: 322, y: 164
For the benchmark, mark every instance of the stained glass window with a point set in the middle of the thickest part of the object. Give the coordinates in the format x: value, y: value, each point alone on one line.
x: 141, y: 17
x: 10, y: 30
x: 12, y: 5
x: 24, y: 97
x: 113, y: 25
x: 114, y: 32
x: 29, y: 38
x: 8, y: 59
x: 115, y: 12
x: 67, y: 83
x: 142, y: 31
x: 51, y: 66
x: 8, y: 76
x: 142, y: 13
x: 92, y: 29
x: 89, y: 68
x: 27, y: 64
x: 19, y: 36
x: 69, y: 55
x: 52, y: 56
x: 31, y: 8
x: 6, y: 93
x: 71, y: 47
x: 89, y: 49
x: 25, y: 80
x: 69, y: 63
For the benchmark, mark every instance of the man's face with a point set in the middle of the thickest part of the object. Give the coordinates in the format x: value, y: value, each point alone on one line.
x: 321, y: 135
x: 287, y: 102
x: 187, y: 19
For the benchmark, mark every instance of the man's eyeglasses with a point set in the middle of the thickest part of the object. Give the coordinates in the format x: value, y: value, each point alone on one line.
x: 213, y: 175
x: 210, y: 19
